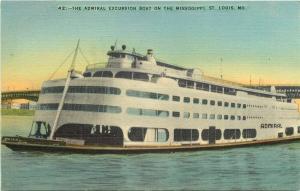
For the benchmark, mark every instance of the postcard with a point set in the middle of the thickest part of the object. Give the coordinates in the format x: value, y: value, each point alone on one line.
x: 150, y: 95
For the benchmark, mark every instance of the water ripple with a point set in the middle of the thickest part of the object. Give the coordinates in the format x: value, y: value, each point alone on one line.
x: 274, y: 167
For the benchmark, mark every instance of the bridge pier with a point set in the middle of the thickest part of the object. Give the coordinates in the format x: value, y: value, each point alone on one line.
x: 6, y: 104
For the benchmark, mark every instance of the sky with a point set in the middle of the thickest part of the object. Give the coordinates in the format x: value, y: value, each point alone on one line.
x: 261, y: 42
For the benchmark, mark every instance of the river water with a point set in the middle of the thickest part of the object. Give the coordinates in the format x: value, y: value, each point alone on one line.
x: 275, y: 167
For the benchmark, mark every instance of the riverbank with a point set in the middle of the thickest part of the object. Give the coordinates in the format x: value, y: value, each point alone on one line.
x: 17, y: 112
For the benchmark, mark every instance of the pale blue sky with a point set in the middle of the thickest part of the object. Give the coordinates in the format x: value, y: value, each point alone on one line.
x: 262, y: 41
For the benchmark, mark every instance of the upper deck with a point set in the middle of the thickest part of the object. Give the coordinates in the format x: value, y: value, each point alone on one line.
x: 131, y: 62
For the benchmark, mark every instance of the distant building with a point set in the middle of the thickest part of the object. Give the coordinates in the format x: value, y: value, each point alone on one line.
x: 24, y: 106
x: 32, y: 105
x: 15, y: 106
x: 28, y: 106
x: 5, y: 105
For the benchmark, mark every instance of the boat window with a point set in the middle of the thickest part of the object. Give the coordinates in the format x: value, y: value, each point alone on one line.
x: 176, y: 98
x: 229, y: 91
x: 176, y: 114
x: 147, y: 112
x: 182, y: 83
x: 94, y: 89
x: 205, y: 134
x: 217, y: 89
x: 185, y: 83
x: 196, y: 115
x: 140, y: 76
x: 83, y: 89
x: 186, y: 115
x: 74, y: 131
x: 163, y: 96
x: 105, y: 135
x: 220, y: 103
x: 218, y: 134
x: 161, y: 135
x: 98, y: 74
x: 232, y: 134
x: 92, y: 108
x: 202, y: 86
x: 249, y: 133
x: 289, y: 131
x: 107, y: 74
x: 117, y: 55
x: 186, y: 100
x: 196, y: 101
x: 136, y: 111
x: 87, y: 74
x: 114, y: 55
x: 213, y: 88
x: 124, y: 74
x: 190, y: 84
x: 53, y: 89
x: 141, y: 134
x: 150, y: 95
x: 47, y: 106
x: 186, y: 135
x: 155, y: 77
x: 204, y: 102
x: 137, y: 134
x: 40, y: 129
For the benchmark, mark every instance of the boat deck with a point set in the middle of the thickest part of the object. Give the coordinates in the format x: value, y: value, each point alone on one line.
x: 58, y: 146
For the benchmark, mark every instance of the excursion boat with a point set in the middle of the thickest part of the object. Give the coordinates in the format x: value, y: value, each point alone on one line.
x: 136, y: 104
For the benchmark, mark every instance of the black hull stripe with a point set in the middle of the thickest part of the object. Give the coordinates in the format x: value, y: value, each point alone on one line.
x: 140, y: 150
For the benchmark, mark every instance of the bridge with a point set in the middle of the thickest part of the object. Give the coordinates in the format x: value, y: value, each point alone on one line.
x: 292, y: 92
x: 31, y: 95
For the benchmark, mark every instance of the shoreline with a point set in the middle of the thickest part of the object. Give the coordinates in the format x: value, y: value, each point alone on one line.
x: 17, y: 112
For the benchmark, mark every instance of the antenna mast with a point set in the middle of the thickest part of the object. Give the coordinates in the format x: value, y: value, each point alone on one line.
x: 68, y: 79
x: 116, y: 43
x: 221, y: 69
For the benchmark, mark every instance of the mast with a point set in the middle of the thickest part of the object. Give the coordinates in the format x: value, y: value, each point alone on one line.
x: 68, y: 79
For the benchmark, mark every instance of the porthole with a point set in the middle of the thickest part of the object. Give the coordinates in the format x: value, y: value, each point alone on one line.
x: 289, y: 131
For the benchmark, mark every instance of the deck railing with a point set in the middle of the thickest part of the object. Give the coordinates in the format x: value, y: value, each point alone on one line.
x: 96, y: 66
x: 19, y: 139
